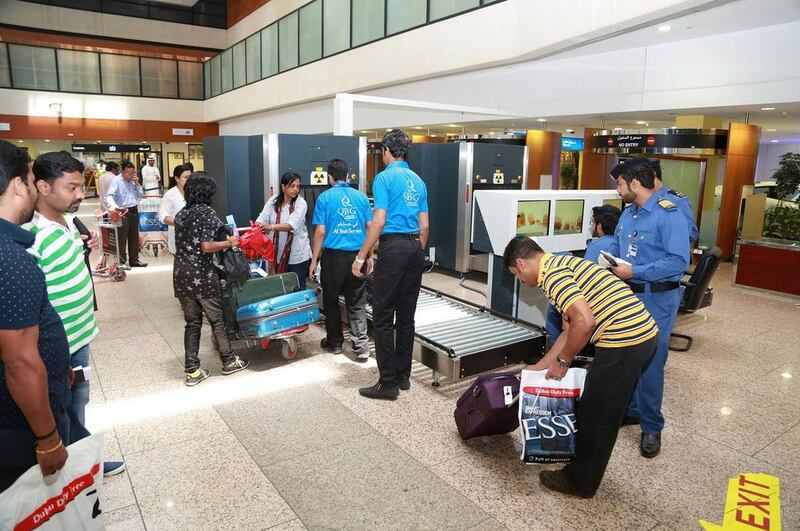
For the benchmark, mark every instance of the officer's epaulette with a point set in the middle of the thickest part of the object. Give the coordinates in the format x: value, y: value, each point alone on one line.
x: 666, y: 204
x: 675, y: 192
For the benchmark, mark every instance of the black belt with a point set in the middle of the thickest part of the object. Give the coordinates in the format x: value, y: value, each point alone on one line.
x: 399, y: 236
x: 655, y: 287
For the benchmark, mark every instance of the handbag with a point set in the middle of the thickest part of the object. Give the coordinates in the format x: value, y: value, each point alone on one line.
x: 231, y: 263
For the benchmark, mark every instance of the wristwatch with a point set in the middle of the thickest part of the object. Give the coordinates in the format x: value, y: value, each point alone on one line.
x: 564, y: 364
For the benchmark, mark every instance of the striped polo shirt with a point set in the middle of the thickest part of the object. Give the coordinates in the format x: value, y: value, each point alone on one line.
x: 621, y: 318
x: 58, y: 251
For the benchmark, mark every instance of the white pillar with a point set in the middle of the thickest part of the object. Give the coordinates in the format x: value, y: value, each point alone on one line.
x: 343, y: 115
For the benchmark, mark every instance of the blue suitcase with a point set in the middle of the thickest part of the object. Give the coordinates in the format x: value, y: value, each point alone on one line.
x: 274, y: 316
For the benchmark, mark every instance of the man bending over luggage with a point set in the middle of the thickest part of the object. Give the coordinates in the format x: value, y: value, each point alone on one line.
x: 596, y: 306
x: 342, y: 216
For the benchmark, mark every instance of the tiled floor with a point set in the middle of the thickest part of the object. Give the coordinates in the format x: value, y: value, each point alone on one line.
x: 290, y: 445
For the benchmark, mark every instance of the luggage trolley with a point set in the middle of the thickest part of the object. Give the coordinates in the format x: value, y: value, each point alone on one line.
x: 108, y: 224
x: 153, y: 235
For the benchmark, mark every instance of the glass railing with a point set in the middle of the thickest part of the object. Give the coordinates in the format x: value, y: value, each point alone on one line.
x: 320, y: 29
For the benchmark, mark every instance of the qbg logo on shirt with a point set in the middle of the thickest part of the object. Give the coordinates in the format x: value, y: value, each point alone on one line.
x: 411, y: 196
x: 346, y: 210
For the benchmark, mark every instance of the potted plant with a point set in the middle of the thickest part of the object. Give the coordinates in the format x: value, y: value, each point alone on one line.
x: 783, y: 221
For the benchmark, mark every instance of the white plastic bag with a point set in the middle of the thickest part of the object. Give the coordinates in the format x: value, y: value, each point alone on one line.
x: 66, y: 500
x: 547, y: 415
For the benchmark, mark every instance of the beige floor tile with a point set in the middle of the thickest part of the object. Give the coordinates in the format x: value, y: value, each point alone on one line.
x: 489, y: 525
x: 208, y: 483
x: 144, y: 435
x: 124, y: 519
x: 291, y: 525
x: 783, y: 451
x: 370, y: 484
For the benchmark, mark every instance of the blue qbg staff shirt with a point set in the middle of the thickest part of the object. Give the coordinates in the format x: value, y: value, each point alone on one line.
x: 344, y: 211
x: 403, y: 195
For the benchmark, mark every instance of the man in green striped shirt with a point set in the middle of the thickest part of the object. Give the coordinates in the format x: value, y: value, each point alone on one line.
x: 58, y: 249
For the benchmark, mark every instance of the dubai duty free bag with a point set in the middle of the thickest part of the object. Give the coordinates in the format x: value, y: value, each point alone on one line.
x: 547, y: 415
x: 66, y: 500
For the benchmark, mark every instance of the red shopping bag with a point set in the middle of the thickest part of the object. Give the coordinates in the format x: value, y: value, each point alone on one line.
x: 255, y: 245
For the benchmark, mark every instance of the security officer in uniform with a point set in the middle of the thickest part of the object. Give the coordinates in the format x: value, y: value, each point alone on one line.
x: 652, y: 235
x: 400, y: 219
x: 679, y: 198
x: 342, y: 216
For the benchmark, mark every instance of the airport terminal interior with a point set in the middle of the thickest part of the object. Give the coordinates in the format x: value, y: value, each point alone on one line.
x: 531, y: 119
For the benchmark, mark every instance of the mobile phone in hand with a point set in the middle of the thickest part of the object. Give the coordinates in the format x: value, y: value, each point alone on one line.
x: 610, y: 258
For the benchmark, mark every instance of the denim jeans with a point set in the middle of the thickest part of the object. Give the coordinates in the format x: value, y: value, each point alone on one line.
x: 76, y: 412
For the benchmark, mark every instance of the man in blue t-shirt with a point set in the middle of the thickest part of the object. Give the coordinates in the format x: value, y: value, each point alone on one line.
x: 401, y: 221
x: 342, y: 216
x: 34, y: 373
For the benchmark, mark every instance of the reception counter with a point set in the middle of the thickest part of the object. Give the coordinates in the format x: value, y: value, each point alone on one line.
x: 769, y: 263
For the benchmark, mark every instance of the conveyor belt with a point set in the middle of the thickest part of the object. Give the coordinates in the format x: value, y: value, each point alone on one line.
x: 457, y: 339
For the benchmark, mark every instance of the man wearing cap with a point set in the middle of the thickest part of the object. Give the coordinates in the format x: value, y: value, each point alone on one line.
x: 401, y: 221
x: 151, y: 177
x: 653, y: 237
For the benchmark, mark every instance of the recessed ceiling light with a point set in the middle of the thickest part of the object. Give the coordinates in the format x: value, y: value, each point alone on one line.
x: 570, y: 131
x: 433, y: 135
x: 187, y: 143
x: 774, y: 141
x: 617, y: 129
x: 47, y: 141
x: 453, y: 125
x: 663, y: 28
x: 20, y: 141
x: 674, y: 127
x: 641, y: 122
x: 417, y: 127
x: 541, y: 119
x: 771, y: 130
x: 365, y: 132
x: 767, y: 108
x: 388, y: 130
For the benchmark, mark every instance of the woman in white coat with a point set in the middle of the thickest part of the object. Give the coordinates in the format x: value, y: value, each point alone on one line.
x: 284, y: 215
x: 173, y: 201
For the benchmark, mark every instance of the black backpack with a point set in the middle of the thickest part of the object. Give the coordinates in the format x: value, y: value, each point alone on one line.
x: 232, y: 264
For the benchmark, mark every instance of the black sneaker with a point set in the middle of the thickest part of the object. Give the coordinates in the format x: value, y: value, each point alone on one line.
x: 327, y: 347
x: 193, y: 378
x: 380, y: 391
x: 404, y: 384
x: 235, y: 365
x: 138, y: 263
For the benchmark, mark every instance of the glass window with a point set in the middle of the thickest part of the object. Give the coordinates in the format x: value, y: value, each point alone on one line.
x: 215, y: 79
x: 207, y: 78
x: 78, y: 71
x: 32, y: 67
x: 287, y: 45
x: 190, y: 76
x: 311, y: 32
x: 239, y: 66
x: 269, y: 51
x: 120, y: 74
x: 404, y: 14
x: 159, y: 78
x: 226, y: 70
x: 253, y: 46
x: 5, y: 79
x: 445, y: 8
x: 367, y: 21
x: 336, y: 16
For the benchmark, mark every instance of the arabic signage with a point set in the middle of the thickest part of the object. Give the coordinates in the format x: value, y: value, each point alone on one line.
x: 667, y: 141
x: 571, y: 143
x: 111, y: 148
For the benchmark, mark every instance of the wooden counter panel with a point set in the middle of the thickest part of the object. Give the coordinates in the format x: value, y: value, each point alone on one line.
x: 769, y: 268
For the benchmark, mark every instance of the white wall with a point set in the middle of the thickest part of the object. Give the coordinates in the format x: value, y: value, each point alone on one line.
x: 768, y: 157
x: 91, y: 24
x: 37, y: 103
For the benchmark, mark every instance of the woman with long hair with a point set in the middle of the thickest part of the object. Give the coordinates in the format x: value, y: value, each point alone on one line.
x: 195, y: 278
x: 172, y: 203
x: 284, y: 215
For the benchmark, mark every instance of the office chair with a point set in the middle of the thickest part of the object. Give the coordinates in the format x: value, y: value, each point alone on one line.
x: 696, y: 293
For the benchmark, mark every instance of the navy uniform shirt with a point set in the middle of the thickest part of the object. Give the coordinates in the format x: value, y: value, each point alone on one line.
x: 685, y: 208
x: 23, y: 304
x: 403, y: 195
x: 344, y: 211
x: 593, y: 248
x: 654, y: 239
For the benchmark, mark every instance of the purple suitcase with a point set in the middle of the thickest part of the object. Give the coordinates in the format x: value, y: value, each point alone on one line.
x: 483, y: 409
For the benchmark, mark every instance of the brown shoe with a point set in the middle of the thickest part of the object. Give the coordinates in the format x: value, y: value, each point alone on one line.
x: 557, y: 480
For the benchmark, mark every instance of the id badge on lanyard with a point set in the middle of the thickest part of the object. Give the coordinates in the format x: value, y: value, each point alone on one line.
x: 632, y: 248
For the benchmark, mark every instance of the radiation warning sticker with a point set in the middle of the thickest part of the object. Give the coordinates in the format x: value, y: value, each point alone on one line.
x: 319, y: 177
x: 498, y: 177
x: 753, y: 502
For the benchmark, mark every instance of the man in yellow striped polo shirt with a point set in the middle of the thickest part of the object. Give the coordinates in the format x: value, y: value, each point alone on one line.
x: 596, y: 307
x: 58, y: 250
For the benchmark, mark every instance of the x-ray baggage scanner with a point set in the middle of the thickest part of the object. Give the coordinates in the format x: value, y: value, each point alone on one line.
x: 558, y: 220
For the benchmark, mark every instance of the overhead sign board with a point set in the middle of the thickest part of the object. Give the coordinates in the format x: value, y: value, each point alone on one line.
x: 111, y: 148
x: 182, y: 132
x: 666, y: 141
x: 570, y: 143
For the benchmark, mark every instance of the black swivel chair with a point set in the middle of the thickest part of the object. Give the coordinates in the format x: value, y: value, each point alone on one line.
x: 696, y: 293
